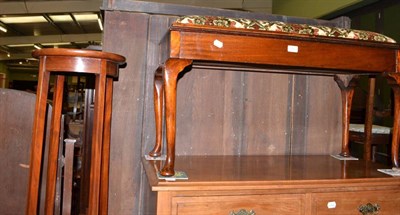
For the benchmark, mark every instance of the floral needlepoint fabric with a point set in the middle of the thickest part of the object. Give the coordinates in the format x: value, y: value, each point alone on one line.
x: 276, y: 26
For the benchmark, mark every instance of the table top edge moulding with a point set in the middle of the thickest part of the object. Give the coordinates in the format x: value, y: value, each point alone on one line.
x: 79, y: 59
x: 268, y: 46
x: 285, y: 44
x: 269, y: 173
x: 81, y: 53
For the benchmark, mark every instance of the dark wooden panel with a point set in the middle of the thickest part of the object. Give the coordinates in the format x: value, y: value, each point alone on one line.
x: 16, y: 120
x: 204, y: 99
x: 233, y: 124
x: 179, y: 9
x: 323, y: 116
x: 298, y: 114
x: 126, y: 34
x: 15, y: 137
x: 316, y: 116
x: 147, y: 198
x: 266, y: 114
x: 157, y: 29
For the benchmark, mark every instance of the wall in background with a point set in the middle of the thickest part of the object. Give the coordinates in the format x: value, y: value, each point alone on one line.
x: 23, y: 75
x: 390, y: 22
x: 310, y: 8
x: 3, y: 78
x: 22, y: 80
x: 300, y: 8
x: 264, y: 6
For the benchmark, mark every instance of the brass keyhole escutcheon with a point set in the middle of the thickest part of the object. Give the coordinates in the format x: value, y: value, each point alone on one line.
x: 243, y: 212
x: 369, y: 209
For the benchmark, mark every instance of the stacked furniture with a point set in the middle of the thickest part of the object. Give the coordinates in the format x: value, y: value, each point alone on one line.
x: 270, y: 46
x: 297, y: 186
x: 230, y: 122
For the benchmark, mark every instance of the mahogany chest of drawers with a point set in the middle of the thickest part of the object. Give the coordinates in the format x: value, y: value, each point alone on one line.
x: 234, y: 185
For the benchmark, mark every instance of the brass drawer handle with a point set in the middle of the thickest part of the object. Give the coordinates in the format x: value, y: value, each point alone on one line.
x: 369, y: 209
x: 243, y: 212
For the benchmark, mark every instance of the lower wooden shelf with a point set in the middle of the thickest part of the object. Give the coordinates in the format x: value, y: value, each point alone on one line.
x: 273, y: 185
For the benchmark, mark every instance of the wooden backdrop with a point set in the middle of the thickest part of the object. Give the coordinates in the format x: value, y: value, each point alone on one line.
x: 218, y: 112
x: 17, y: 110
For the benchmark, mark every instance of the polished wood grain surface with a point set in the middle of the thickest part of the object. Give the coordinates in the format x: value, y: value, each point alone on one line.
x: 292, y: 204
x: 278, y: 170
x: 301, y: 185
x: 333, y: 54
x: 349, y: 203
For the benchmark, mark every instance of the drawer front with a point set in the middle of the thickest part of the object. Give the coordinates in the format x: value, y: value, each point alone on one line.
x: 230, y: 205
x: 344, y: 203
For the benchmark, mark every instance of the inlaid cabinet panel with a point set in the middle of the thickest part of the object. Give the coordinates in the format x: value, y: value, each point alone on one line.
x: 259, y: 204
x: 383, y: 202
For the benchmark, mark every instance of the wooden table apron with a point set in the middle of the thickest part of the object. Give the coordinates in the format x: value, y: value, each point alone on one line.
x: 247, y: 50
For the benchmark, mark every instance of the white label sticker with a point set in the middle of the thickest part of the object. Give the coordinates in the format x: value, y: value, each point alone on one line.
x: 292, y: 49
x: 218, y: 44
x: 331, y: 205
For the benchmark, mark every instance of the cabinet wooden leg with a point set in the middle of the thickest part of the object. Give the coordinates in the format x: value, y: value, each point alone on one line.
x: 158, y: 111
x: 346, y: 84
x: 170, y: 75
x: 97, y: 144
x: 105, y: 160
x: 394, y: 81
x: 37, y: 141
x: 369, y: 112
x: 54, y: 144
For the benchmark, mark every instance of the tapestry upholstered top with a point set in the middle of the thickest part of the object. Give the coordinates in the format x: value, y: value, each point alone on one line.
x: 282, y: 27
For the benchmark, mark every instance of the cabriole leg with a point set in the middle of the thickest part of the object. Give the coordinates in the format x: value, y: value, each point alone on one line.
x: 346, y: 84
x: 394, y: 81
x: 158, y: 111
x: 170, y: 75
